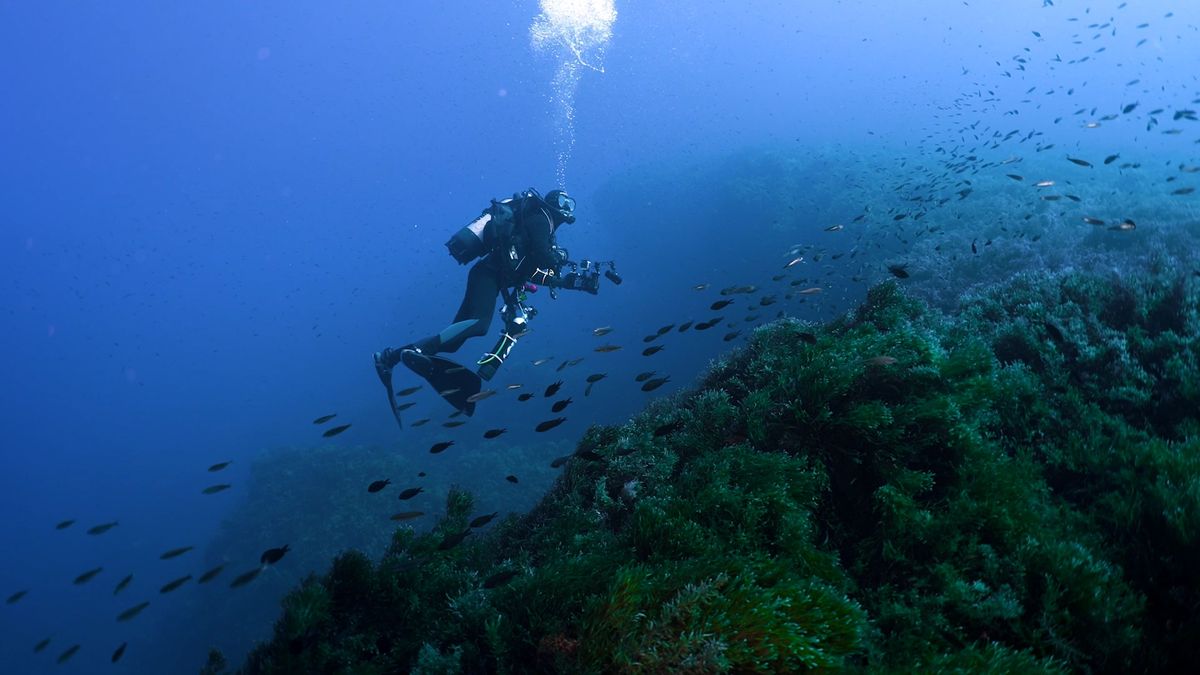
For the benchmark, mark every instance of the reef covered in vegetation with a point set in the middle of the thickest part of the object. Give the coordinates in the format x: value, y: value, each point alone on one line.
x: 1014, y: 487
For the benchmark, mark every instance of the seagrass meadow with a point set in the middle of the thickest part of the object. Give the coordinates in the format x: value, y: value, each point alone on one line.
x: 1010, y: 487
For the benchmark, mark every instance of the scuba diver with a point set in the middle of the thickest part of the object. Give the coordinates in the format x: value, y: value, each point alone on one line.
x: 514, y: 240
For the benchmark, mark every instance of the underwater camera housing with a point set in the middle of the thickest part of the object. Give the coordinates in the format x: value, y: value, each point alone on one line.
x: 585, y: 275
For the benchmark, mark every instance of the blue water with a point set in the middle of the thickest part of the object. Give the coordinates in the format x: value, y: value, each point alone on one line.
x: 213, y: 213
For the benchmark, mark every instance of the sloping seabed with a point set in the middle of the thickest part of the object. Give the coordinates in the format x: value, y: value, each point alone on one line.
x: 1011, y: 488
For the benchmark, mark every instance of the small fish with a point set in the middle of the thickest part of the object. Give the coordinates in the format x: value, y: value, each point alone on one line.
x: 62, y: 525
x: 642, y: 377
x: 880, y: 361
x: 650, y: 338
x: 407, y: 515
x: 210, y: 575
x: 720, y: 304
x: 493, y: 433
x: 214, y: 489
x: 39, y: 647
x: 411, y: 492
x: 175, y: 552
x: 421, y: 422
x: 1111, y: 158
x: 657, y: 382
x: 700, y: 287
x: 274, y: 555
x: 218, y: 466
x: 899, y: 271
x: 538, y: 362
x: 731, y: 336
x: 511, y: 478
x: 1130, y: 106
x: 1015, y: 176
x: 510, y: 387
x: 596, y: 377
x: 101, y: 529
x: 834, y: 228
x: 560, y: 406
x: 649, y: 351
x: 549, y: 424
x: 132, y: 611
x: 245, y: 577
x: 734, y: 290
x: 604, y: 349
x: 452, y: 540
x: 440, y: 447
x: 500, y: 578
x: 176, y: 583
x: 561, y: 366
x: 1079, y: 162
x: 486, y: 393
x: 16, y: 597
x: 793, y: 262
x: 705, y: 325
x: 483, y: 520
x: 405, y: 406
x: 684, y: 326
x: 1044, y: 184
x: 811, y: 291
x: 525, y: 397
x: 116, y: 656
x: 603, y: 330
x: 66, y: 655
x: 378, y: 485
x: 1074, y: 198
x: 1124, y: 226
x: 559, y: 461
x: 553, y: 389
x: 453, y: 423
x: 974, y: 249
x: 663, y: 330
x: 88, y: 576
x: 1092, y: 221
x: 122, y: 584
x: 335, y: 431
x: 324, y: 418
x: 1184, y: 191
x: 409, y: 391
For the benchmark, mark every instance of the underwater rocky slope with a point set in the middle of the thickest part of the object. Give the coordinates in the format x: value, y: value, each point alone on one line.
x: 1012, y: 488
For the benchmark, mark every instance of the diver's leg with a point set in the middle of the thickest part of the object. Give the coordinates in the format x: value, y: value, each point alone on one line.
x: 473, y: 319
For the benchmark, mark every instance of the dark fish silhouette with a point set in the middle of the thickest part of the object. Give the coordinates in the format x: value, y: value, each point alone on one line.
x: 525, y: 397
x: 559, y: 406
x: 245, y: 577
x: 175, y: 552
x: 648, y: 351
x: 420, y: 422
x: 657, y: 382
x: 409, y: 391
x: 596, y: 377
x: 324, y: 418
x: 132, y: 611
x: 1080, y: 162
x: 493, y: 433
x: 66, y: 655
x: 899, y: 271
x: 405, y: 406
x: 122, y: 584
x: 378, y: 485
x: 214, y: 489
x: 101, y: 529
x: 37, y: 649
x: 88, y: 576
x: 511, y: 478
x: 453, y: 423
x: 720, y: 304
x: 484, y: 520
x: 500, y: 578
x: 550, y: 424
x: 663, y: 330
x: 684, y: 326
x: 175, y: 583
x: 219, y: 465
x: 1111, y: 158
x: 411, y: 492
x: 731, y: 336
x: 452, y: 540
x: 273, y: 555
x: 335, y: 431
x: 16, y: 597
x: 439, y: 447
x: 559, y: 461
x: 553, y: 389
x: 407, y: 515
x: 210, y: 575
x: 64, y: 524
x: 116, y: 656
x: 642, y: 377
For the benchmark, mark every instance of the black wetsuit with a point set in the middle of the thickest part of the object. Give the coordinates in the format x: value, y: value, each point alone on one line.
x: 533, y: 240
